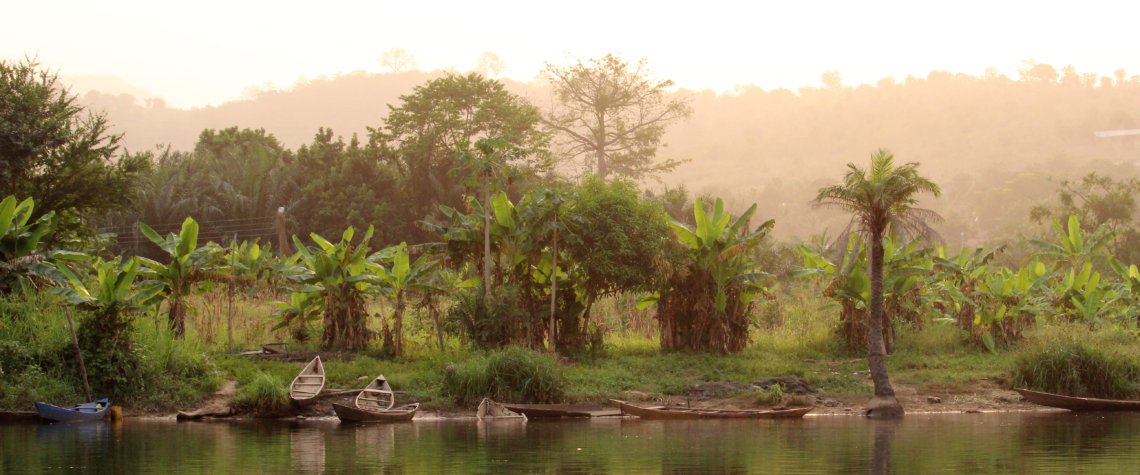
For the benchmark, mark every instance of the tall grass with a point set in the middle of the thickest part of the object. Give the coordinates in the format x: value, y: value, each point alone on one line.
x: 804, y: 324
x: 265, y: 395
x: 512, y: 374
x: 1071, y: 359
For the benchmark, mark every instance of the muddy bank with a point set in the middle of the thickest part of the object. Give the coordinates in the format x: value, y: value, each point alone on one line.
x: 982, y: 396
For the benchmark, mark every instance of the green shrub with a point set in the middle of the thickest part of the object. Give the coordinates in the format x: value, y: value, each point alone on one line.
x: 1073, y: 361
x: 495, y: 323
x: 512, y: 374
x: 264, y: 395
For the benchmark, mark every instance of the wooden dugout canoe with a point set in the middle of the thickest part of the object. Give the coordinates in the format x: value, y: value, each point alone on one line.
x: 377, y: 396
x: 541, y: 411
x: 491, y: 410
x: 308, y: 384
x: 1074, y: 403
x: 88, y: 411
x: 662, y: 412
x: 396, y: 414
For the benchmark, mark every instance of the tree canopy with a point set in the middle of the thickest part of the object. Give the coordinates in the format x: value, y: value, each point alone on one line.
x: 54, y: 150
x: 611, y: 115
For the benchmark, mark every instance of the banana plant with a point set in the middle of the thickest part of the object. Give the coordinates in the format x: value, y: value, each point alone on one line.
x: 20, y: 242
x: 1008, y: 301
x: 956, y: 278
x: 109, y: 304
x: 722, y: 267
x: 1083, y: 293
x: 1072, y: 246
x: 188, y: 265
x: 405, y: 277
x: 338, y: 276
x: 1128, y: 288
x: 297, y: 313
x: 250, y: 263
x: 720, y: 245
x: 114, y: 289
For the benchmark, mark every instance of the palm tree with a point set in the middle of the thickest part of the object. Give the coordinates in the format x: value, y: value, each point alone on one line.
x: 881, y: 199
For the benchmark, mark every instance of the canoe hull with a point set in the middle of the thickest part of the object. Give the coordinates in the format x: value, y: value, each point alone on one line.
x: 1073, y: 403
x: 308, y: 384
x: 662, y: 412
x: 352, y: 414
x: 91, y: 411
x: 492, y: 411
x: 542, y: 411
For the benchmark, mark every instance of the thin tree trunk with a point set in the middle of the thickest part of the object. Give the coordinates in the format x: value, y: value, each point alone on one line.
x: 486, y: 238
x: 177, y: 316
x: 554, y: 283
x: 79, y: 355
x: 399, y: 324
x: 438, y: 326
x: 600, y: 148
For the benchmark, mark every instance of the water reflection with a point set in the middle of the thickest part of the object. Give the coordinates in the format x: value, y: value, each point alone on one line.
x: 307, y: 450
x: 974, y: 443
x: 881, y: 450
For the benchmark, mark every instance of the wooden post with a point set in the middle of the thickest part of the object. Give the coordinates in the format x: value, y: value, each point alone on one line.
x: 79, y: 354
x: 283, y: 247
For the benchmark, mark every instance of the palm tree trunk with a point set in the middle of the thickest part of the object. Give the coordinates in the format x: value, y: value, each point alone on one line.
x: 884, y: 403
x: 875, y: 350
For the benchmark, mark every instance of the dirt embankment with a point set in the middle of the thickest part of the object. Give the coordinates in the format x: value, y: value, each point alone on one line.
x: 982, y: 396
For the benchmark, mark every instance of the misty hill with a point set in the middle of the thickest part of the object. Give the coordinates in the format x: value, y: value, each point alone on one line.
x: 992, y: 142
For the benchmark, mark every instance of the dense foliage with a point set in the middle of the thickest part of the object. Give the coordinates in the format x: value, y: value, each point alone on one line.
x: 505, y: 254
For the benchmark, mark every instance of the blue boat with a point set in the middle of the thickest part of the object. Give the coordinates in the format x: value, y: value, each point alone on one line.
x: 88, y: 411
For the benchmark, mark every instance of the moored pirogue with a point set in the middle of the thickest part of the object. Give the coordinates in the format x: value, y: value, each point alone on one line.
x: 308, y: 384
x: 1074, y: 403
x: 375, y: 404
x: 664, y: 412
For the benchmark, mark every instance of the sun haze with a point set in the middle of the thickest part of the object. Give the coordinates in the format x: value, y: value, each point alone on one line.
x: 202, y: 53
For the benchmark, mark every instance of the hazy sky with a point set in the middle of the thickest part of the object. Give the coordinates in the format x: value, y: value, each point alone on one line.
x: 201, y: 52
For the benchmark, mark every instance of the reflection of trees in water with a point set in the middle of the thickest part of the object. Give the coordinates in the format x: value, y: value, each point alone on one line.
x: 1087, y: 437
x: 307, y: 450
x: 969, y: 443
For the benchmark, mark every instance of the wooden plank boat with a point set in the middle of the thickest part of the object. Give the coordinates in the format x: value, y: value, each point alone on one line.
x: 1074, y: 403
x: 88, y: 411
x: 308, y: 384
x: 377, y: 396
x: 395, y: 414
x: 663, y: 412
x: 491, y: 410
x: 540, y: 411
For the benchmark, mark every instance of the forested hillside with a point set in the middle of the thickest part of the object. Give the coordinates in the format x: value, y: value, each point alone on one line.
x: 999, y: 145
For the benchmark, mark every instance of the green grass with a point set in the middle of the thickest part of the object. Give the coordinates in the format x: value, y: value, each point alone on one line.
x: 266, y: 394
x: 1071, y: 359
x: 798, y: 340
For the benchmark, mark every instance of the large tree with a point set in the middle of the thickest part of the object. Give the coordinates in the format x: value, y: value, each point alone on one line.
x: 342, y: 185
x: 57, y: 152
x: 611, y: 115
x: 421, y: 136
x: 882, y: 199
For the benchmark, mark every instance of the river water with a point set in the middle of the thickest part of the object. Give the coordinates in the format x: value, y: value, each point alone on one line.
x: 1028, y: 442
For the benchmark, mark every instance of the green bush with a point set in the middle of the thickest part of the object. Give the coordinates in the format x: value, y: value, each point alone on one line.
x: 265, y: 395
x: 512, y: 374
x: 494, y: 324
x: 1074, y: 361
